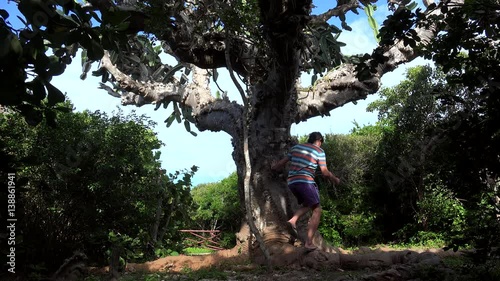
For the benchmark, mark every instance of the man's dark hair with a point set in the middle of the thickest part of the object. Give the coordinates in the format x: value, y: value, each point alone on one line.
x: 314, y: 136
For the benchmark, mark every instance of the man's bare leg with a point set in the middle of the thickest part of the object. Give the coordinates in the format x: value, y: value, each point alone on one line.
x: 301, y: 211
x: 312, y: 227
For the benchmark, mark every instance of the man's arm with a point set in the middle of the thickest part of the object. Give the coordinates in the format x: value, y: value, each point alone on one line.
x: 326, y: 173
x: 280, y: 164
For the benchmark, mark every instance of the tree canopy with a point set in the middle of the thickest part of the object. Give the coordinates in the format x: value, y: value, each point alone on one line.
x: 265, y: 46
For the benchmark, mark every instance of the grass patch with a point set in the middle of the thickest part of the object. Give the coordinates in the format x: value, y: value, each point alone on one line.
x: 193, y: 251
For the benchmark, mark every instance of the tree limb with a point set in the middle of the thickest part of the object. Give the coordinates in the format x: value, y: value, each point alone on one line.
x: 341, y: 86
x: 343, y: 8
x: 210, y: 113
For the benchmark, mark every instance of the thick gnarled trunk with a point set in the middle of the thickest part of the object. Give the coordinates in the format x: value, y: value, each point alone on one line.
x: 260, y: 127
x: 265, y: 193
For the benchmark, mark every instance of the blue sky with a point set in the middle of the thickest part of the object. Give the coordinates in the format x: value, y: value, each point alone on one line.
x: 212, y: 151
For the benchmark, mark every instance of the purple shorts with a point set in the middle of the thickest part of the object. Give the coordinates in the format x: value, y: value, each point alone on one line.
x: 306, y: 193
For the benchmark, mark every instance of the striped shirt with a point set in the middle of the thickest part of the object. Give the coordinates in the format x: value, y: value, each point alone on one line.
x: 304, y: 159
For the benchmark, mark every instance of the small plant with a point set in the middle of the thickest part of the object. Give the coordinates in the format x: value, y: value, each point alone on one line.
x: 186, y: 270
x: 162, y: 252
x: 227, y: 240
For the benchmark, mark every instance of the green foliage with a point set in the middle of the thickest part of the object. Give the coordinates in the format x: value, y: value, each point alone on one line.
x: 218, y: 205
x: 408, y: 115
x: 152, y: 277
x: 359, y: 228
x: 228, y: 239
x: 41, y: 50
x: 475, y: 37
x: 369, y: 10
x: 90, y: 184
x: 242, y: 17
x: 323, y: 39
x: 162, y: 252
x: 435, y: 148
x: 441, y: 211
x: 330, y: 223
x: 130, y: 248
x: 347, y: 213
x: 428, y: 239
x: 197, y: 251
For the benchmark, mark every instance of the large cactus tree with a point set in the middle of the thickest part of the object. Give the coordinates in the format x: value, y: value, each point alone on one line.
x: 265, y: 45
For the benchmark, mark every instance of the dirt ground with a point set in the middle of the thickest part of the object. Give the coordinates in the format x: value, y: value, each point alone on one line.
x: 363, y: 264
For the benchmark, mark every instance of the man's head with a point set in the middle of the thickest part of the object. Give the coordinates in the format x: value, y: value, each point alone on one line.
x: 315, y: 136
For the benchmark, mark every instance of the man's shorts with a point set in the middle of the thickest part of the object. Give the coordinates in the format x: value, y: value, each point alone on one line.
x: 306, y: 193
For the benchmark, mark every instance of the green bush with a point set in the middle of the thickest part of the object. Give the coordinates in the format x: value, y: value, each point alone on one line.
x: 440, y: 211
x: 359, y: 229
x: 217, y: 206
x: 329, y: 225
x: 428, y: 239
x: 163, y: 252
x: 91, y: 184
x: 227, y: 240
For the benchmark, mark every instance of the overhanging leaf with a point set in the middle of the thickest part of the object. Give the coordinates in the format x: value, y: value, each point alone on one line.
x: 187, y: 125
x: 177, y: 113
x: 170, y: 119
x: 216, y: 75
x: 4, y: 14
x: 172, y: 71
x: 369, y: 10
x: 54, y: 94
x: 346, y: 26
x: 313, y: 79
x: 38, y: 89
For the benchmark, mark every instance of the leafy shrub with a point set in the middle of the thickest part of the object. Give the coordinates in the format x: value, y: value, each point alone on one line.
x: 227, y: 240
x: 329, y: 225
x: 440, y: 211
x: 427, y: 239
x: 358, y: 229
x: 163, y: 252
x: 217, y: 205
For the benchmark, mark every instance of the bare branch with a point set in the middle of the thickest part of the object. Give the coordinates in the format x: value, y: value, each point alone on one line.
x: 210, y: 113
x: 335, y: 12
x: 151, y: 92
x: 341, y: 86
x: 334, y: 90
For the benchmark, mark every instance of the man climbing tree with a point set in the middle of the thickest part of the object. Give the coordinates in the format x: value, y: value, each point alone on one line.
x: 305, y: 159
